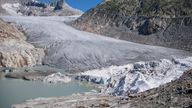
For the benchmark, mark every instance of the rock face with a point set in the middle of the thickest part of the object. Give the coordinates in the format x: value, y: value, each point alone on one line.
x: 155, y: 22
x: 36, y: 8
x: 58, y: 4
x: 14, y: 50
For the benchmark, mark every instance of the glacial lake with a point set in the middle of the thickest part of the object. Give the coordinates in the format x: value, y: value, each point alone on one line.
x: 14, y: 91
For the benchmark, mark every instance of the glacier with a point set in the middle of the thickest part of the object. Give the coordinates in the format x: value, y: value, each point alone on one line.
x: 114, y: 63
x: 75, y: 51
x: 137, y: 77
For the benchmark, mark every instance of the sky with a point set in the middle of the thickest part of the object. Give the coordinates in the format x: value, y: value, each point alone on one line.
x: 83, y: 5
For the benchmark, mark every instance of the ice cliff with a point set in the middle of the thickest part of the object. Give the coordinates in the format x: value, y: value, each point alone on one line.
x: 137, y: 77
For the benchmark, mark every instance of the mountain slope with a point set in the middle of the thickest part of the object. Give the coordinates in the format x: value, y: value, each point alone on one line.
x: 74, y: 50
x: 14, y: 50
x: 156, y: 22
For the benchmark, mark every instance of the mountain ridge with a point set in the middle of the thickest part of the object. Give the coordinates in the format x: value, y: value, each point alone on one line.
x: 37, y: 8
x: 152, y: 22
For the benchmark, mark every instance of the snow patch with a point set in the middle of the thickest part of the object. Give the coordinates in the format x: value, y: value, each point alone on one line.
x: 57, y: 78
x: 137, y: 77
x: 35, y: 1
x: 12, y: 8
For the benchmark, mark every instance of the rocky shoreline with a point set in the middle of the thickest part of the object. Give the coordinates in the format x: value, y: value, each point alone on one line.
x: 37, y: 73
x: 86, y: 100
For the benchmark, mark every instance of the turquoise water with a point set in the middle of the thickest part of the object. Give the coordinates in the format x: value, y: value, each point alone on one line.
x: 16, y: 91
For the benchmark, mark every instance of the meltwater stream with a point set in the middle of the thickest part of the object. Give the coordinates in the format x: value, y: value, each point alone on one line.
x: 16, y: 91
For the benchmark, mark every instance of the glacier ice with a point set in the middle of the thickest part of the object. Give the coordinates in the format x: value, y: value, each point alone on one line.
x: 57, y: 78
x: 137, y: 77
x: 73, y: 50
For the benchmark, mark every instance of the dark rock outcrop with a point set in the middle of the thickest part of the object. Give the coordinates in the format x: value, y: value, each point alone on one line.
x: 58, y: 4
x: 155, y: 22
